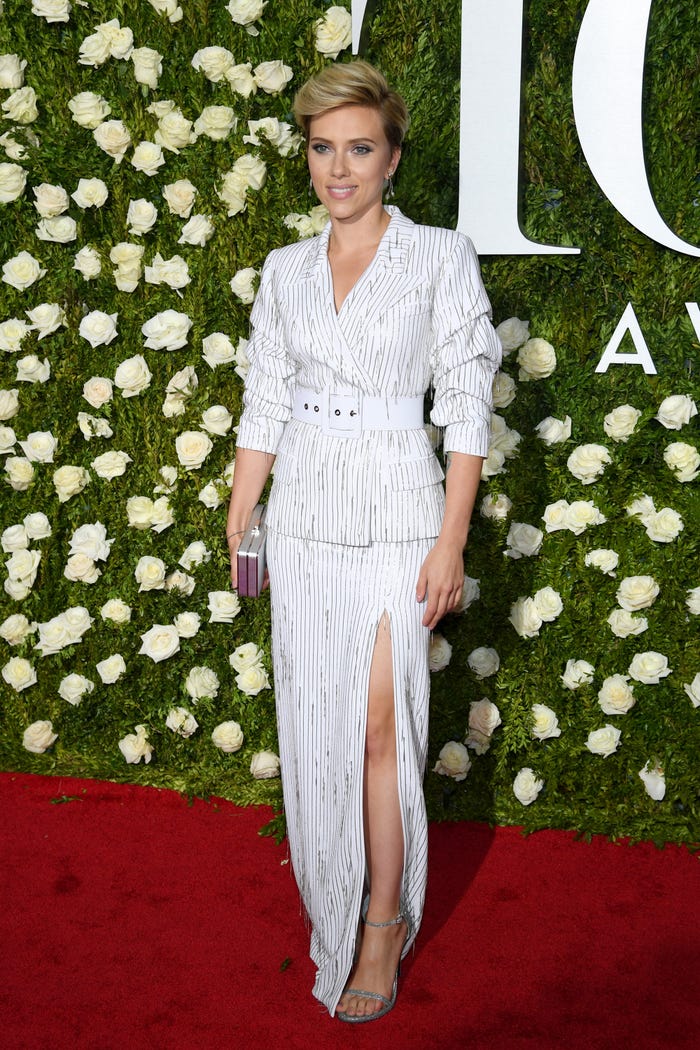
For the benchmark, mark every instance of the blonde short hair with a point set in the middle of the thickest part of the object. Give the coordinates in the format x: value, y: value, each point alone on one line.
x: 352, y: 84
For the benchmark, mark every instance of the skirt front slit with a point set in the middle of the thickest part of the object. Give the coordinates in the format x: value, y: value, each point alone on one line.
x: 327, y: 601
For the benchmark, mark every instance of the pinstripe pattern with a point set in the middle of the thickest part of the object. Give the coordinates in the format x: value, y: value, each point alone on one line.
x: 327, y: 601
x: 350, y: 521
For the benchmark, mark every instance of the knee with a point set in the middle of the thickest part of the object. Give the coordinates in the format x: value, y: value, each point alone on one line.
x: 380, y: 740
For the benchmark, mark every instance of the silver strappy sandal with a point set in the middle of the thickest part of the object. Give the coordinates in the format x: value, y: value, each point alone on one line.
x: 387, y: 1003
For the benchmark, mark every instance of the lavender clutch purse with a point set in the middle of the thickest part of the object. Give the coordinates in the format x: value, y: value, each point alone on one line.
x: 251, y: 555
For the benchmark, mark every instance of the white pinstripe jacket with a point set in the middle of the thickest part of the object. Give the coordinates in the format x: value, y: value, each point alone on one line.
x: 418, y: 315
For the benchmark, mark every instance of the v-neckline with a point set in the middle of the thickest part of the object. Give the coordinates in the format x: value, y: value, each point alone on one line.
x: 339, y: 309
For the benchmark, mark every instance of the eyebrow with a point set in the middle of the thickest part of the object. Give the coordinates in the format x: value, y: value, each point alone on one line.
x: 351, y: 142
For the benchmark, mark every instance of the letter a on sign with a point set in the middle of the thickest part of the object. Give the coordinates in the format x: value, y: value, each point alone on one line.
x: 627, y: 323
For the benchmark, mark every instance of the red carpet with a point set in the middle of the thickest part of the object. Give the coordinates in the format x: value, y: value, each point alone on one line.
x: 131, y: 920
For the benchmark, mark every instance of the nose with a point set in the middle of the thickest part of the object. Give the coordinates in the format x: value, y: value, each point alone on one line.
x: 339, y: 166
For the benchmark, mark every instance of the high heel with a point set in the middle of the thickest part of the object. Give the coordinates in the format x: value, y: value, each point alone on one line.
x: 388, y: 1004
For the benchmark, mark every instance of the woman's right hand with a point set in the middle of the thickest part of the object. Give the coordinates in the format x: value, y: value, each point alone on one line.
x: 233, y: 545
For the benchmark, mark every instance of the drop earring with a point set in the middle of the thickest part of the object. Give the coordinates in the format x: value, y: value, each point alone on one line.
x: 389, y: 186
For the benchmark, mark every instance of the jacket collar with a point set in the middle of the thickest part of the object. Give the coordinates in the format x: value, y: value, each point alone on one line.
x: 391, y: 251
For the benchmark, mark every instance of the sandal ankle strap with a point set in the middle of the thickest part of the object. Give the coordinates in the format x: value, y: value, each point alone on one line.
x: 391, y: 922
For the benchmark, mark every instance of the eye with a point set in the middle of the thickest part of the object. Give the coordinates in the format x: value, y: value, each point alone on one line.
x: 320, y: 147
x: 362, y: 150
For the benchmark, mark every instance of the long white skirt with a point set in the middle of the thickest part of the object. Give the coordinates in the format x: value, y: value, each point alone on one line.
x: 327, y: 601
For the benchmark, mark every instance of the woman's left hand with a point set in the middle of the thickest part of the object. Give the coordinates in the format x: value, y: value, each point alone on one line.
x: 441, y: 580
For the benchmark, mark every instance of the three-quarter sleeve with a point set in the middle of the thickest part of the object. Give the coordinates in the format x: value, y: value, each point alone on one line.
x: 467, y: 353
x: 268, y: 393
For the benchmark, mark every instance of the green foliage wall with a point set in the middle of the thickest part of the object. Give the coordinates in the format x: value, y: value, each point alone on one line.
x: 572, y: 302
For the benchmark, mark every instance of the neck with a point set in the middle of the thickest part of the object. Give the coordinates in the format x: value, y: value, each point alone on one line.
x: 366, y: 231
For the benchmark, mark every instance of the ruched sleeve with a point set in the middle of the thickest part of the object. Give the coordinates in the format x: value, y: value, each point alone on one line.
x: 269, y: 385
x: 467, y: 353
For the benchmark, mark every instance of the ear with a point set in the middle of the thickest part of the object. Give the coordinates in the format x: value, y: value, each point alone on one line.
x: 395, y: 158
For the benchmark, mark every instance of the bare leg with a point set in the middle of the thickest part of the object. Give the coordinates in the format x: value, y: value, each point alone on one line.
x: 381, y: 948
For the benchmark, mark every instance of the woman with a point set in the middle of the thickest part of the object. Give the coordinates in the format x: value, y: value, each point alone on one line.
x: 365, y: 554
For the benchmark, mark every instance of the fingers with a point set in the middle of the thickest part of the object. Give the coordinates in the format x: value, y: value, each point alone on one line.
x: 436, y: 608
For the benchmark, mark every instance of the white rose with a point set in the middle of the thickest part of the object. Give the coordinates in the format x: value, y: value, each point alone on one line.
x: 39, y: 736
x: 683, y: 460
x: 286, y: 140
x: 179, y: 196
x: 620, y: 423
x: 167, y: 330
x: 214, y: 62
x: 217, y: 420
x: 217, y: 349
x: 484, y: 661
x: 148, y: 157
x: 93, y: 426
x: 73, y: 688
x: 674, y: 412
x: 60, y: 229
x: 141, y: 216
x: 495, y: 507
x: 181, y: 722
x: 94, y: 50
x: 693, y: 690
x: 654, y: 781
x: 13, y: 179
x: 88, y: 109
x: 252, y: 680
x: 264, y: 765
x: 39, y: 446
x: 99, y: 328
x: 19, y: 673
x: 513, y: 333
x: 52, y: 10
x: 201, y: 683
x: 46, y: 318
x: 87, y: 263
x: 623, y: 623
x: 471, y: 593
x: 642, y: 508
x: 15, y: 628
x: 81, y: 568
x: 587, y: 462
x: 484, y: 717
x: 162, y: 515
x: 12, y: 71
x: 12, y: 332
x: 493, y: 464
x: 18, y: 590
x: 187, y: 624
x: 525, y: 618
x: 300, y: 223
x: 503, y: 392
x: 556, y: 516
x: 14, y: 149
x: 502, y: 437
x: 180, y: 581
x: 69, y: 480
x: 243, y: 284
x: 160, y: 642
x: 241, y: 79
x: 216, y: 122
x: 581, y: 514
x: 273, y: 76
x: 440, y: 652
x: 169, y: 8
x: 97, y: 391
x: 148, y: 66
x: 55, y: 634
x: 111, y: 464
x: 223, y: 606
x: 20, y: 107
x: 91, y: 193
x: 8, y: 440
x: 21, y: 271
x: 233, y: 192
x: 577, y: 673
x: 545, y: 723
x: 334, y: 31
x: 78, y: 620
x: 14, y: 538
x: 31, y: 369
x: 197, y: 231
x: 693, y: 601
x: 637, y: 592
x: 192, y: 448
x: 111, y: 669
x: 453, y: 761
x: 133, y: 376
x: 252, y: 169
x: 649, y: 667
x: 243, y: 12
x: 228, y: 737
x: 23, y: 564
x: 603, y: 559
x: 174, y: 131
x: 91, y: 539
x: 150, y: 573
x: 616, y: 695
x: 548, y: 603
x: 245, y: 656
x: 603, y: 741
x: 113, y: 137
x: 20, y: 472
x: 526, y: 786
x: 523, y: 540
x: 664, y: 525
x: 37, y: 525
x: 537, y: 360
x: 135, y: 746
x: 116, y: 610
x: 174, y: 271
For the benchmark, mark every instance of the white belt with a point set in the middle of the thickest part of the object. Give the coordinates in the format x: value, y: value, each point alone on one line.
x: 348, y: 414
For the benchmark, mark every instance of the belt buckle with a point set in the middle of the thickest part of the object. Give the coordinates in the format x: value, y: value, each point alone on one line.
x: 344, y: 415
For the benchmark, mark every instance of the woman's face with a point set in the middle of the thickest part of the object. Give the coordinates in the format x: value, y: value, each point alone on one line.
x: 349, y: 158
